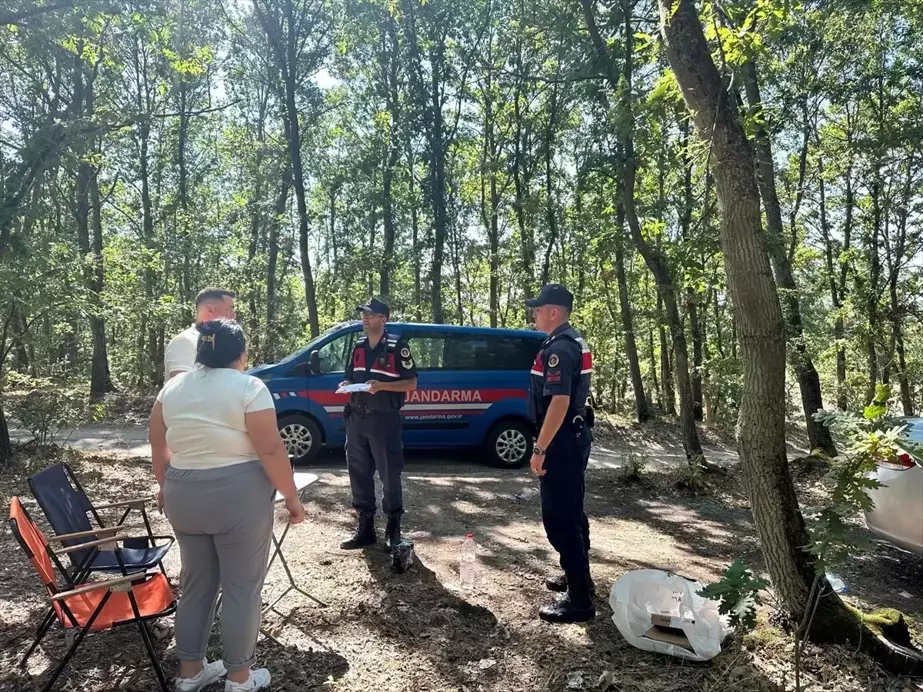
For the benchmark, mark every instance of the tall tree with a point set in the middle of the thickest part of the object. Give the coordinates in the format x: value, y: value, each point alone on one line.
x: 758, y: 314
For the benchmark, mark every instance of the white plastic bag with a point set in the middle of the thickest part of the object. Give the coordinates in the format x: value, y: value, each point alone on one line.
x: 662, y: 612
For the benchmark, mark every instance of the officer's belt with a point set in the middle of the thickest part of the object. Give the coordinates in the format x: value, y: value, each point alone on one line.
x: 365, y: 410
x: 570, y: 419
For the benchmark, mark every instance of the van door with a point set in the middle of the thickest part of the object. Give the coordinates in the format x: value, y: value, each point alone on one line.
x: 467, y: 380
x: 333, y: 357
x: 425, y: 424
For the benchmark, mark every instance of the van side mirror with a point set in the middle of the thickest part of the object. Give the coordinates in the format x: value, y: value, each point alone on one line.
x: 314, y: 362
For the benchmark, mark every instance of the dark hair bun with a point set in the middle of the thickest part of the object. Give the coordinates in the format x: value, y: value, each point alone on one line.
x: 221, y: 343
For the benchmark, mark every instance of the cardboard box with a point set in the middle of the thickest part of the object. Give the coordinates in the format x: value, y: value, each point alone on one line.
x: 666, y: 628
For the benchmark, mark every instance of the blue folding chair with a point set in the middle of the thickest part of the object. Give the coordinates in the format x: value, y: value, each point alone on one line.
x: 66, y: 506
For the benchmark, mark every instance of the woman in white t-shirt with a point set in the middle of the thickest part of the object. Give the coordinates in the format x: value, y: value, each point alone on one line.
x: 219, y: 459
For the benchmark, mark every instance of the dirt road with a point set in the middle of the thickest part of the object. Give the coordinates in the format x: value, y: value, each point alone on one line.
x: 130, y: 440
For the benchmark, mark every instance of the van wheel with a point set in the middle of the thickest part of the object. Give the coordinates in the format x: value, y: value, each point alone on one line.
x: 509, y: 444
x: 301, y: 437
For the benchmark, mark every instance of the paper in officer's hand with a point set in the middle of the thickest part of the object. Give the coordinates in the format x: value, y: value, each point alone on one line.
x: 358, y: 387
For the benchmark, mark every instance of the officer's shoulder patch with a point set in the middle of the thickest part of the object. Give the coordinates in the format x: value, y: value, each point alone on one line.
x: 553, y: 360
x: 405, y: 352
x: 407, y: 363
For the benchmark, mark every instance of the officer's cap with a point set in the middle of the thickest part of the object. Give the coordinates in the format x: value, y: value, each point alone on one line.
x: 376, y: 306
x: 552, y: 294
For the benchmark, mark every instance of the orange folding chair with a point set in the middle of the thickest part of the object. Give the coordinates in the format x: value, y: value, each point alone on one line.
x: 97, y: 606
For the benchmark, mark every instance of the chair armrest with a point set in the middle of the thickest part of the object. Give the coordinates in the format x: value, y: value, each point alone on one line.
x: 97, y: 585
x: 85, y: 534
x: 124, y: 503
x: 93, y: 544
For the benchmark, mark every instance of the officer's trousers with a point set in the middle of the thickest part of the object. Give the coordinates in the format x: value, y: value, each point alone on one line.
x: 373, y: 440
x: 562, y: 491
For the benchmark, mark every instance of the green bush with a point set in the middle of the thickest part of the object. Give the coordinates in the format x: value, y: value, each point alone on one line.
x: 46, y: 408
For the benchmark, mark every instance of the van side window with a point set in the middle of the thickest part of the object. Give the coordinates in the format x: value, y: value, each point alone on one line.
x: 428, y: 351
x: 334, y: 354
x: 483, y: 352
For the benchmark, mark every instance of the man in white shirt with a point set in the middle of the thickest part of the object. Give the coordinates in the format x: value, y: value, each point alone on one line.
x: 210, y: 304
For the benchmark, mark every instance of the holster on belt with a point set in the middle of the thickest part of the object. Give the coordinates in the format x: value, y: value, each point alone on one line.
x: 347, y: 412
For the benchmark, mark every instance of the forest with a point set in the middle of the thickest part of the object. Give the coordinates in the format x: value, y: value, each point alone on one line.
x: 732, y: 190
x: 452, y: 157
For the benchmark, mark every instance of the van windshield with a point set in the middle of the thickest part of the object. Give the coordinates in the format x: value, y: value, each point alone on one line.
x: 313, y: 343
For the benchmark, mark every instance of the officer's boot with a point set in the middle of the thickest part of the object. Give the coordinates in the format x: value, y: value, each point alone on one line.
x: 559, y: 584
x: 393, y: 531
x: 576, y: 606
x: 364, y: 535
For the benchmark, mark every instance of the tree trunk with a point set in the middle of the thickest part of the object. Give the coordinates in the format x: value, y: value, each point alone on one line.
x: 414, y: 235
x: 389, y: 65
x: 628, y: 330
x: 836, y: 279
x: 438, y: 179
x: 294, y: 147
x: 692, y: 303
x: 522, y: 184
x: 758, y: 314
x: 656, y: 262
x: 800, y: 359
x: 6, y: 444
x: 272, y: 265
x: 87, y: 187
x: 285, y: 45
x: 550, y: 207
x: 100, y: 377
x: 668, y: 394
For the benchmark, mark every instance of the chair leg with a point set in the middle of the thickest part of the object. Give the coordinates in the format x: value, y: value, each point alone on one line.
x: 148, y: 640
x: 39, y: 635
x: 148, y: 643
x: 73, y: 647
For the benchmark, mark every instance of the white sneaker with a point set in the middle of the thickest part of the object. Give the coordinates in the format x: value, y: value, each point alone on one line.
x: 209, y: 673
x: 259, y: 680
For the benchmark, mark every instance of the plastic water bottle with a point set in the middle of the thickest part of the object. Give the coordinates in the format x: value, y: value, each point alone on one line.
x: 468, y: 565
x: 837, y: 584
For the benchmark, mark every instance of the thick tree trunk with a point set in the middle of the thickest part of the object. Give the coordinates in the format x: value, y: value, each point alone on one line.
x: 668, y: 393
x: 620, y: 83
x: 757, y: 311
x: 800, y: 359
x: 758, y: 314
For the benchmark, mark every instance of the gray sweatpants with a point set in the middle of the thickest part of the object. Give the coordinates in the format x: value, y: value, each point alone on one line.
x: 222, y: 519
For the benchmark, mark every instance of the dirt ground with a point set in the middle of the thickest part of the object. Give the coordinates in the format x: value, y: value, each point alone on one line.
x: 384, y: 632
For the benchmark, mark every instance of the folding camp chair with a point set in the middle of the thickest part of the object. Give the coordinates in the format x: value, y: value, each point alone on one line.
x: 97, y: 606
x: 66, y: 505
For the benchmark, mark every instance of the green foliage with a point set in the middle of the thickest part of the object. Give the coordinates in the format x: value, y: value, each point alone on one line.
x: 864, y: 441
x: 633, y: 468
x: 692, y: 476
x: 737, y: 593
x: 46, y: 409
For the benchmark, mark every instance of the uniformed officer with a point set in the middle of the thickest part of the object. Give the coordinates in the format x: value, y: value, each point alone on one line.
x: 558, y: 406
x: 373, y: 424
